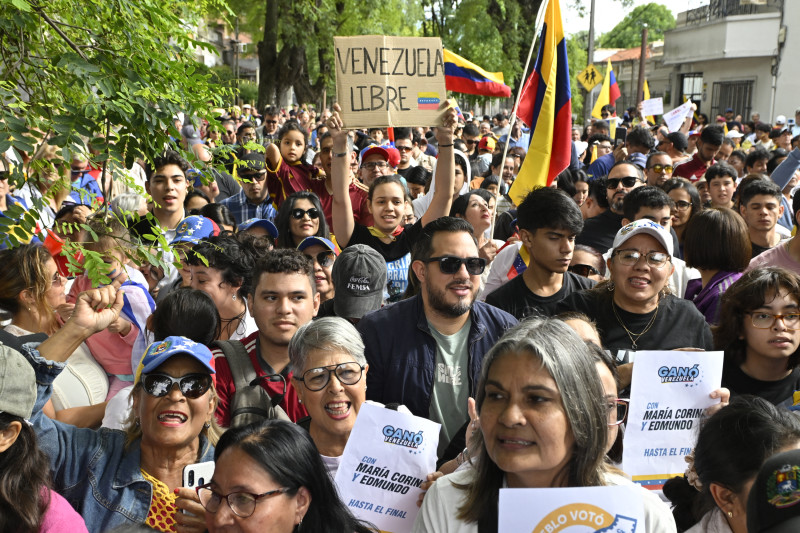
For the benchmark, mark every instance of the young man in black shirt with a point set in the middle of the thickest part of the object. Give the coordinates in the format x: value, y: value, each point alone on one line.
x: 548, y: 221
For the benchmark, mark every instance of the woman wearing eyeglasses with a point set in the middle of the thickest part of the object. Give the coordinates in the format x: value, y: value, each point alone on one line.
x: 323, y: 253
x: 33, y: 291
x: 544, y: 423
x: 634, y: 310
x: 687, y: 205
x: 113, y: 477
x: 759, y: 330
x: 718, y: 245
x: 330, y: 377
x: 269, y: 478
x: 300, y: 216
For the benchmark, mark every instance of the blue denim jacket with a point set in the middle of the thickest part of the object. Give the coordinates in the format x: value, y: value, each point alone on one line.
x: 92, y: 469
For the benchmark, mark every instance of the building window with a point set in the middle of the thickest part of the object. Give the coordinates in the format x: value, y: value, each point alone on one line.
x: 692, y: 88
x: 734, y: 94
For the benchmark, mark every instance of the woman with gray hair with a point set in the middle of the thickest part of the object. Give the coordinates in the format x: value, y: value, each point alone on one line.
x: 543, y: 424
x: 320, y: 350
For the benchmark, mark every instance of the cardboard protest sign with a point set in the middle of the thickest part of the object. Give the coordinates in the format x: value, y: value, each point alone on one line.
x: 384, y: 81
x: 387, y: 457
x: 669, y: 392
x: 612, y: 509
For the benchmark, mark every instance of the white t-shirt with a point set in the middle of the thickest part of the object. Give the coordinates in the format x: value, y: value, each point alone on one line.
x: 441, y: 503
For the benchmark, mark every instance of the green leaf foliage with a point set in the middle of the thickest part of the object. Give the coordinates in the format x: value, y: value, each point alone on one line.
x: 628, y: 33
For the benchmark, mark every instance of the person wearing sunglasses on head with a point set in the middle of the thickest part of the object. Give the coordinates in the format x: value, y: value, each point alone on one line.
x: 548, y: 220
x: 138, y: 471
x: 269, y: 478
x: 599, y: 231
x: 300, y: 216
x: 323, y: 253
x: 635, y: 309
x: 425, y: 351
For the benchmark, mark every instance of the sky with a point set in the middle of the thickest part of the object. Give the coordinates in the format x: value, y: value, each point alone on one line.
x: 608, y: 13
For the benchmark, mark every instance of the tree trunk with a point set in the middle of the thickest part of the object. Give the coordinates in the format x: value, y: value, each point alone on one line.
x: 268, y: 58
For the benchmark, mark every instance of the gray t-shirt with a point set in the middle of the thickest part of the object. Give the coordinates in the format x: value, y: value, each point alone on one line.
x: 450, y: 383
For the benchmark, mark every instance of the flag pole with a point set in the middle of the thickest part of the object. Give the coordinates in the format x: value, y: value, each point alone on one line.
x: 539, y: 22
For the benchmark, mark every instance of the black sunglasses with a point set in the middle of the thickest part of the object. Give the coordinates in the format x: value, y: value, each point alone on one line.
x: 325, y: 259
x: 628, y: 182
x: 584, y: 270
x: 191, y: 385
x: 450, y: 264
x: 298, y: 213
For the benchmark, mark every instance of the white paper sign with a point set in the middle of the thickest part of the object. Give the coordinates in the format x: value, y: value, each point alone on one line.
x: 669, y: 392
x: 611, y: 509
x: 387, y: 458
x: 675, y: 118
x: 653, y: 106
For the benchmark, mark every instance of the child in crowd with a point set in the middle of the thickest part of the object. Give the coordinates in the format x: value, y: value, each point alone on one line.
x: 287, y: 171
x: 119, y: 347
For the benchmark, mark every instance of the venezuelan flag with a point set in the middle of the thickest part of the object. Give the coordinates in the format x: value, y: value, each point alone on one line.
x: 428, y: 101
x: 520, y: 263
x: 461, y: 76
x: 609, y: 92
x: 546, y: 106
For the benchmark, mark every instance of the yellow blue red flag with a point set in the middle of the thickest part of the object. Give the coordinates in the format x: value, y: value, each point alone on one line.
x: 546, y: 106
x: 461, y: 76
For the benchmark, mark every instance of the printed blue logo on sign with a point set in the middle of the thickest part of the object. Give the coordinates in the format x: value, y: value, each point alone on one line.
x: 402, y: 437
x: 679, y: 374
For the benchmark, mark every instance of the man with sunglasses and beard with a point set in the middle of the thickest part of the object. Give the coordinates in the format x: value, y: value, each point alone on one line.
x: 548, y: 220
x: 426, y: 351
x: 598, y: 232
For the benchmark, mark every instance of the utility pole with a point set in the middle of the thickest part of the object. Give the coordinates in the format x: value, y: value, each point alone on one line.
x: 588, y: 103
x: 642, y: 60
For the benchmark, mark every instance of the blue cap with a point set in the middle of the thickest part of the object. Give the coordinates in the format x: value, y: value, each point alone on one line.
x: 194, y: 228
x: 322, y: 241
x: 159, y: 353
x: 260, y: 223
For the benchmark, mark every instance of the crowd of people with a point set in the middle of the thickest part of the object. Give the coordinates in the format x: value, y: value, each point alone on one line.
x: 243, y: 308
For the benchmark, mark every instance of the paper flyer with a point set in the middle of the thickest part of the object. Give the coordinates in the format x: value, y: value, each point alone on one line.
x: 675, y: 118
x: 654, y: 106
x: 610, y: 509
x: 386, y: 460
x: 669, y: 392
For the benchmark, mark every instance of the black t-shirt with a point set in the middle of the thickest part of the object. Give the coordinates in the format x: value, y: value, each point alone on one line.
x: 758, y: 250
x: 678, y: 325
x: 226, y: 184
x: 599, y: 232
x: 776, y: 392
x: 404, y: 171
x: 517, y: 299
x: 395, y: 249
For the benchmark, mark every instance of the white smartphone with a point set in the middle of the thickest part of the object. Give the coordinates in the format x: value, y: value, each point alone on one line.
x: 197, y: 474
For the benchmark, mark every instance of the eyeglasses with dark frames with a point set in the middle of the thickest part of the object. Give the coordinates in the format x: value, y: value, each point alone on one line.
x: 243, y: 504
x: 318, y: 378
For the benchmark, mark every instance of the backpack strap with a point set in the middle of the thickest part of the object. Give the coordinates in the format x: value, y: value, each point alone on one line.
x: 239, y: 362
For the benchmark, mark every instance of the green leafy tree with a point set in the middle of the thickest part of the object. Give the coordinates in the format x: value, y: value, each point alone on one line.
x: 99, y: 77
x: 628, y: 33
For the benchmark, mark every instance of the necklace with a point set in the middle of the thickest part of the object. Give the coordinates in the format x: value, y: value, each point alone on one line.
x: 227, y: 323
x: 634, y: 337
